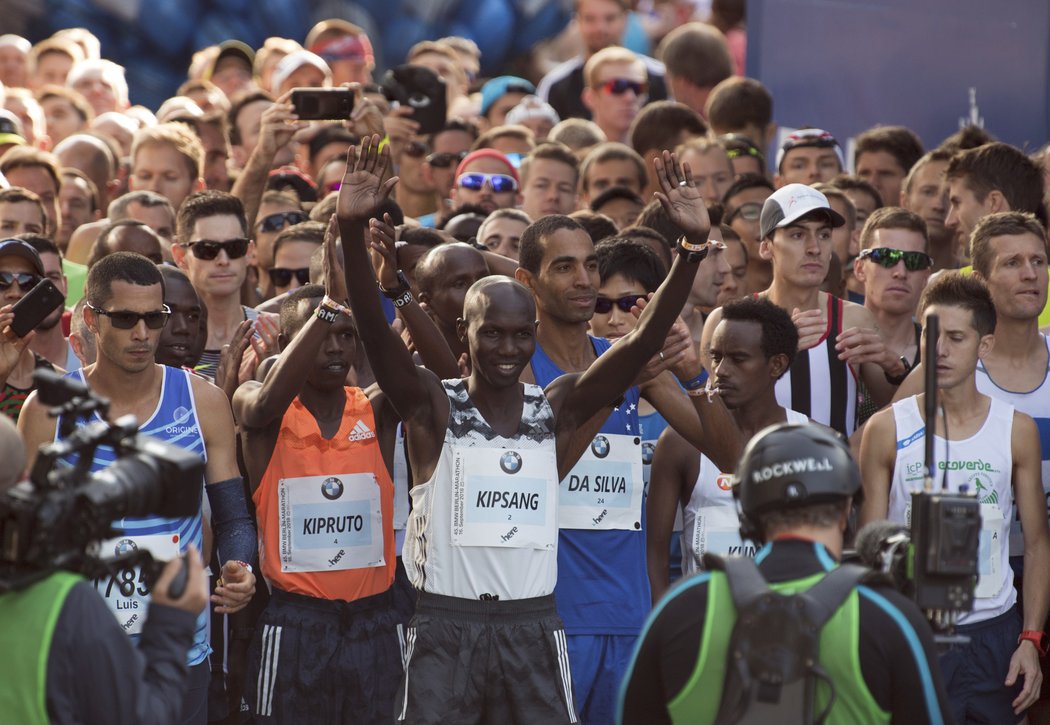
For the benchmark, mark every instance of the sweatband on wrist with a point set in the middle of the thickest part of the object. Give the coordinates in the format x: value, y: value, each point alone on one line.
x: 234, y: 528
x: 695, y: 383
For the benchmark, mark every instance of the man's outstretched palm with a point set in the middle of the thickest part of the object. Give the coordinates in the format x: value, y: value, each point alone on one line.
x: 363, y: 189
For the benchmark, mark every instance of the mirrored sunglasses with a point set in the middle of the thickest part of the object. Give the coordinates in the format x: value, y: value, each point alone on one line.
x: 499, y: 183
x: 887, y: 257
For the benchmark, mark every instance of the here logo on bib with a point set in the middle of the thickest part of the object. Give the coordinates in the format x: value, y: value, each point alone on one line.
x: 504, y: 497
x: 604, y: 489
x: 330, y: 523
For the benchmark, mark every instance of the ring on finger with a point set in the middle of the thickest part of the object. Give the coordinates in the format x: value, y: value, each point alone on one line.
x: 683, y: 182
x: 661, y: 356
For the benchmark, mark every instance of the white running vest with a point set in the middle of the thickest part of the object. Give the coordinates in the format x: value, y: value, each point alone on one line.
x: 710, y: 520
x: 983, y: 464
x: 1035, y: 403
x: 486, y: 523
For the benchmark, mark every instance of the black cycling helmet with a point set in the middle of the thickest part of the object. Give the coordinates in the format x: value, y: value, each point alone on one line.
x: 789, y: 465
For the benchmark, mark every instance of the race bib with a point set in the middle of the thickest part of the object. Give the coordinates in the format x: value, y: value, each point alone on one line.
x: 716, y: 529
x: 503, y: 497
x: 604, y: 489
x: 989, y: 552
x: 126, y: 592
x: 330, y: 523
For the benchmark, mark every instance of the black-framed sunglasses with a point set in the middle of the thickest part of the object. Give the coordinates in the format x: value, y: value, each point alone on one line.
x: 445, y: 160
x: 604, y: 305
x: 126, y: 319
x: 751, y: 211
x: 26, y: 280
x: 278, y: 221
x: 282, y: 276
x: 888, y: 258
x: 208, y: 249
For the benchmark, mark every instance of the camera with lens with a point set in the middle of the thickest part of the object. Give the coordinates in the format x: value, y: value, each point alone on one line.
x: 58, y: 518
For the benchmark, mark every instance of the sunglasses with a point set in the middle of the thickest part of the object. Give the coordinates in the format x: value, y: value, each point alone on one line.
x: 888, y: 258
x: 751, y: 211
x: 444, y: 160
x: 604, y: 305
x: 499, y: 183
x: 277, y: 222
x: 208, y: 249
x: 416, y: 149
x: 26, y: 281
x: 619, y: 86
x: 282, y: 276
x: 125, y: 319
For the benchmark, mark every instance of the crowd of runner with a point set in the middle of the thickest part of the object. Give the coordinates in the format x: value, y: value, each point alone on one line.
x: 471, y: 400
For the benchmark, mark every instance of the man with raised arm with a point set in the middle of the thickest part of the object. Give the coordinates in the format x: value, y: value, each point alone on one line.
x: 486, y: 643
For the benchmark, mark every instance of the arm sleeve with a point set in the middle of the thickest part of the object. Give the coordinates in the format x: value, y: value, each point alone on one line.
x: 898, y: 658
x: 96, y: 674
x: 234, y: 529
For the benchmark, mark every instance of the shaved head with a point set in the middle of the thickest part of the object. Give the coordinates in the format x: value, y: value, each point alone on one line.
x: 500, y: 292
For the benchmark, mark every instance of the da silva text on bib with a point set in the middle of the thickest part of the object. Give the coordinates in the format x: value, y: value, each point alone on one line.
x: 604, y: 489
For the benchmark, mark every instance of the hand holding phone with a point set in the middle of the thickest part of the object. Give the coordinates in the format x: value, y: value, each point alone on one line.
x: 34, y: 308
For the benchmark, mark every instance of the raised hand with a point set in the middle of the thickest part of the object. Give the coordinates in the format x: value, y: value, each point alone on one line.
x: 227, y: 372
x: 278, y: 124
x: 384, y: 250
x: 363, y: 188
x: 680, y: 198
x: 332, y: 264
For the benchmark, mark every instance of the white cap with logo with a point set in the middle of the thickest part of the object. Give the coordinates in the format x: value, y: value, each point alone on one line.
x: 790, y: 203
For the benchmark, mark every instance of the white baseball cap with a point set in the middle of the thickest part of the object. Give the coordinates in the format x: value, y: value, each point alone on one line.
x: 790, y: 203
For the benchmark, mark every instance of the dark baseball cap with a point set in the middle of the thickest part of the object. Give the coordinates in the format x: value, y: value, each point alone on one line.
x: 18, y: 248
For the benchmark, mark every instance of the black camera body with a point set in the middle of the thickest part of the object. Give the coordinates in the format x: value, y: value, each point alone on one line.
x: 57, y: 519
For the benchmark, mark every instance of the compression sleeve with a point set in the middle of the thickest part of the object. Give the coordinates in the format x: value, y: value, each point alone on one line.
x: 95, y: 673
x: 233, y: 525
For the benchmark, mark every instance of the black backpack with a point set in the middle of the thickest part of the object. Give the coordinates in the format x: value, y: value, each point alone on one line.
x: 772, y: 662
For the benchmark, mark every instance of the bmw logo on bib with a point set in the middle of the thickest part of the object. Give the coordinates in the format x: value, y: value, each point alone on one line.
x: 125, y: 546
x: 332, y: 488
x: 648, y: 449
x: 510, y: 462
x: 600, y: 446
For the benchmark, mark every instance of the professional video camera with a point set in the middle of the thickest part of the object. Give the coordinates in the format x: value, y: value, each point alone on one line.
x: 935, y: 561
x: 58, y: 518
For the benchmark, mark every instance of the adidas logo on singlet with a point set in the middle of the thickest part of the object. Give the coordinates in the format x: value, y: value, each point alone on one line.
x: 361, y: 432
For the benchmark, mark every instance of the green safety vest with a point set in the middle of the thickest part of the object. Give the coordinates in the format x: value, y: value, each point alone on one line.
x: 27, y: 623
x: 700, y: 698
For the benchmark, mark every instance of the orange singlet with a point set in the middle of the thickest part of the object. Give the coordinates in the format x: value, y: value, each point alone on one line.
x: 325, y: 507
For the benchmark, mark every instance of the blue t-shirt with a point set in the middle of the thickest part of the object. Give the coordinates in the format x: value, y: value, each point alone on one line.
x: 603, y: 586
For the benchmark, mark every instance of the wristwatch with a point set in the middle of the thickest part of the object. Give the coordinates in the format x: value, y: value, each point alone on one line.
x: 399, y: 291
x: 898, y: 379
